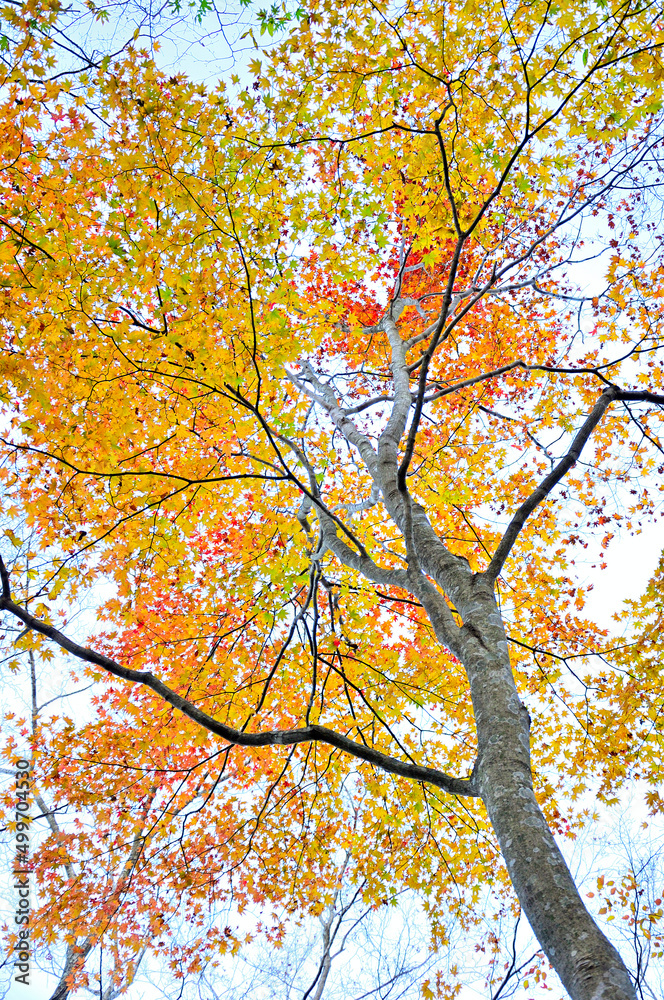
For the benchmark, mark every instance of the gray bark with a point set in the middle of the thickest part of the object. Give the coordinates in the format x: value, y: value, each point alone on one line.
x: 589, y: 966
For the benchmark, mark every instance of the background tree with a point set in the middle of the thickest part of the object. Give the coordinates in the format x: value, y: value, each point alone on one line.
x: 307, y: 371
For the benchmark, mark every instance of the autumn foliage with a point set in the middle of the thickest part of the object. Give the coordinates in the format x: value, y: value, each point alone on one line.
x: 197, y: 286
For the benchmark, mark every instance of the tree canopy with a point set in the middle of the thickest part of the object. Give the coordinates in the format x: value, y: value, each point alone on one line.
x: 326, y: 379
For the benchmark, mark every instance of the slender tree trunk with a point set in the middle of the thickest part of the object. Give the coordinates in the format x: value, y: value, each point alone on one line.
x: 326, y: 959
x: 75, y: 960
x: 588, y: 965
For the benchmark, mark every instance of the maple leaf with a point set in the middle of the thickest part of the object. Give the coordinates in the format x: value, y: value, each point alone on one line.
x: 296, y: 372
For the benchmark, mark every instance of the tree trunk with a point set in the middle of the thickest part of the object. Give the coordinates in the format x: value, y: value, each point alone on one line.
x: 589, y: 967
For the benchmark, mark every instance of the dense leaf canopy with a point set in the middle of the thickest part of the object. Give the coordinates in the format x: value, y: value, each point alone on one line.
x: 411, y: 252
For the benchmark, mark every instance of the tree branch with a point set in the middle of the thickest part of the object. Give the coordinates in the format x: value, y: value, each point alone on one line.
x: 287, y: 737
x: 562, y: 468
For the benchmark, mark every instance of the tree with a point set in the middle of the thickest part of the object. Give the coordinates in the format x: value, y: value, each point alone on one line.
x: 630, y: 891
x: 310, y: 371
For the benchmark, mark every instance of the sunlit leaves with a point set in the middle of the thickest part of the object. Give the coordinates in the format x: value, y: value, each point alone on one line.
x: 173, y: 259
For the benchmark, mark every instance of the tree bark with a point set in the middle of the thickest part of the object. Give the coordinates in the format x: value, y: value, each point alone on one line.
x: 589, y: 966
